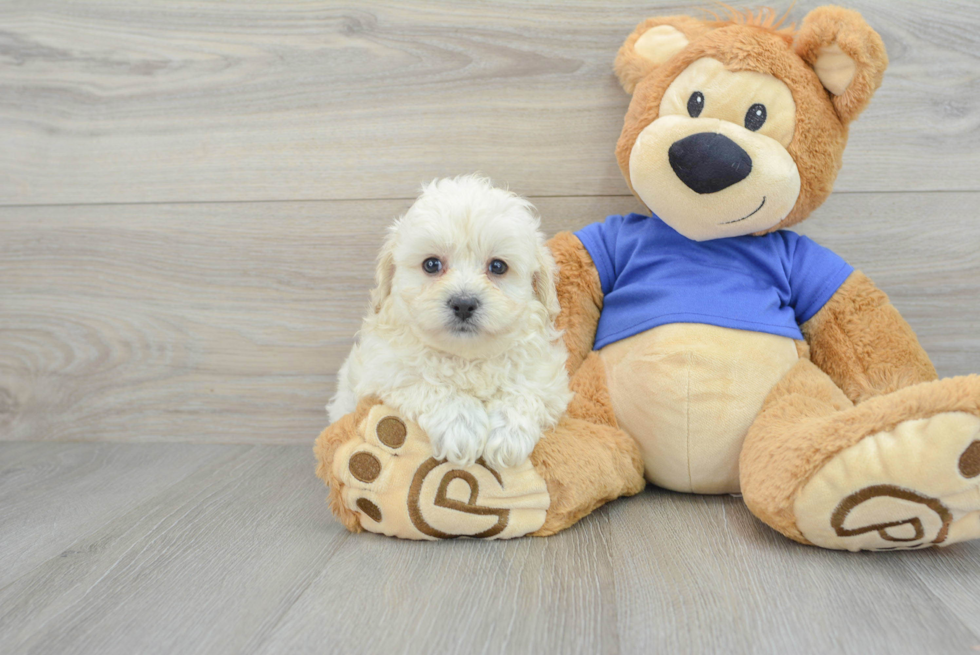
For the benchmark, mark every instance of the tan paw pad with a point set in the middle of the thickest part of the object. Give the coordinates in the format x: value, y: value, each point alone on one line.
x: 970, y: 461
x: 910, y: 487
x: 391, y: 431
x: 399, y: 489
x: 364, y: 466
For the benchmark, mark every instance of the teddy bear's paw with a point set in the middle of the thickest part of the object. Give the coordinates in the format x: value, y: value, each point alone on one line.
x: 391, y: 479
x: 915, y: 486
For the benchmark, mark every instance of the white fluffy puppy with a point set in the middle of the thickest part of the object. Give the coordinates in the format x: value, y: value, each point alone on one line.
x: 461, y: 335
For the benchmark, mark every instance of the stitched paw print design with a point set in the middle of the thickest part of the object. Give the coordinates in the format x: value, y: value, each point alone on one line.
x: 919, y: 487
x: 398, y: 488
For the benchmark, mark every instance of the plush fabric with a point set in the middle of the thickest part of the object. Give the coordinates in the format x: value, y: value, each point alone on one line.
x: 688, y: 393
x: 398, y: 489
x: 845, y: 439
x: 861, y: 341
x: 835, y: 31
x: 580, y: 296
x: 821, y: 133
x: 807, y: 422
x: 387, y: 474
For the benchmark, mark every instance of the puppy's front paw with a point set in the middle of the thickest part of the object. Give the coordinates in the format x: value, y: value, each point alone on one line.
x: 512, y: 438
x: 457, y: 431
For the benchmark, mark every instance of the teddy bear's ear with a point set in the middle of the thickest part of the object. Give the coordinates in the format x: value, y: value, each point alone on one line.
x: 847, y: 55
x: 652, y: 43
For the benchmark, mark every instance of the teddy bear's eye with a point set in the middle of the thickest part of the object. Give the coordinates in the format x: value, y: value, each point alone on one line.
x: 695, y: 104
x: 755, y: 117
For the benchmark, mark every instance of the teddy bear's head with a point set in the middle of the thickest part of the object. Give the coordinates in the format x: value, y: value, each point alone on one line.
x: 737, y: 126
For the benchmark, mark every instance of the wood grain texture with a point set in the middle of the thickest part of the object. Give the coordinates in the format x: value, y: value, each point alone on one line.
x: 243, y: 557
x: 158, y: 101
x: 223, y: 322
x: 730, y: 584
x: 227, y: 322
x: 147, y: 296
x: 204, y: 567
x: 52, y: 494
x: 951, y: 575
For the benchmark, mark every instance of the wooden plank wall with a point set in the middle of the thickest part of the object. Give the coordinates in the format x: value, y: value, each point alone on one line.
x: 192, y: 193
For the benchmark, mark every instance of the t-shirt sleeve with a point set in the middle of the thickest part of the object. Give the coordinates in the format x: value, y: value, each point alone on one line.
x: 815, y: 276
x: 600, y: 240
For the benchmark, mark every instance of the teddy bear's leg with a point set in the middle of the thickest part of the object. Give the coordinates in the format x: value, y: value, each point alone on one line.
x: 897, y: 471
x: 383, y: 478
x: 587, y: 460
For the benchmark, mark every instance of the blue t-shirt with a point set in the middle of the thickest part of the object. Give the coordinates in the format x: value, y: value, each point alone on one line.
x: 651, y: 275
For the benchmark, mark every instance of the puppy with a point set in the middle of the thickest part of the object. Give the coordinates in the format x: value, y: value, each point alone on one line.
x: 461, y: 334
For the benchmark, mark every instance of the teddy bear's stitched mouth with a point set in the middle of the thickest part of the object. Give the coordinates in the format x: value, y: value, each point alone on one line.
x: 749, y: 216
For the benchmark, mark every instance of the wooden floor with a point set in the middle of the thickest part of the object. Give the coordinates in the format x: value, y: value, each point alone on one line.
x: 194, y: 548
x: 191, y: 198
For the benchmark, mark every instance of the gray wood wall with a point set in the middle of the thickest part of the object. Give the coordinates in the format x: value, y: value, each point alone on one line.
x: 192, y: 194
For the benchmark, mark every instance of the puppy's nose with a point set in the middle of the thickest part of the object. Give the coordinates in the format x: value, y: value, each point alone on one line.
x: 463, y: 306
x: 709, y: 162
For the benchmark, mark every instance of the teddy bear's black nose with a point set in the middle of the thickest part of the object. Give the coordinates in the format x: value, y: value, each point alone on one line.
x: 709, y: 162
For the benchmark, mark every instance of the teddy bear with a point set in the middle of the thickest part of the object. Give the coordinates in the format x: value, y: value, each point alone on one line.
x: 711, y: 349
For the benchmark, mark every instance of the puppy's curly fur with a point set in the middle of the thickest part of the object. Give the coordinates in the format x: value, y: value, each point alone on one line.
x: 484, y: 381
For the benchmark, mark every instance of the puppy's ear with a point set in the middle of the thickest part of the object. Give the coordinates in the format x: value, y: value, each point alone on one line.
x: 544, y: 280
x: 652, y: 43
x: 384, y: 274
x: 846, y: 54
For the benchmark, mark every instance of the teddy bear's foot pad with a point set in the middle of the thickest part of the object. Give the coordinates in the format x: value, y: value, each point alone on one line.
x: 397, y: 488
x: 915, y: 486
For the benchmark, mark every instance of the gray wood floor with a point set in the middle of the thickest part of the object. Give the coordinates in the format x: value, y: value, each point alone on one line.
x: 184, y: 548
x: 191, y: 198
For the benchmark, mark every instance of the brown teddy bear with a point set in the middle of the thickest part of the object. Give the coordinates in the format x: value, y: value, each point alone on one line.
x: 710, y: 349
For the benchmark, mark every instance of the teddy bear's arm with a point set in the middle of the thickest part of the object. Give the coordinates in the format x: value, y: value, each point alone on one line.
x: 580, y: 296
x: 861, y: 341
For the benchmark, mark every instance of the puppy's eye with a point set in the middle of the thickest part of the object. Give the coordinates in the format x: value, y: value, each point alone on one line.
x: 755, y: 117
x: 695, y: 104
x: 497, y: 267
x: 432, y: 265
